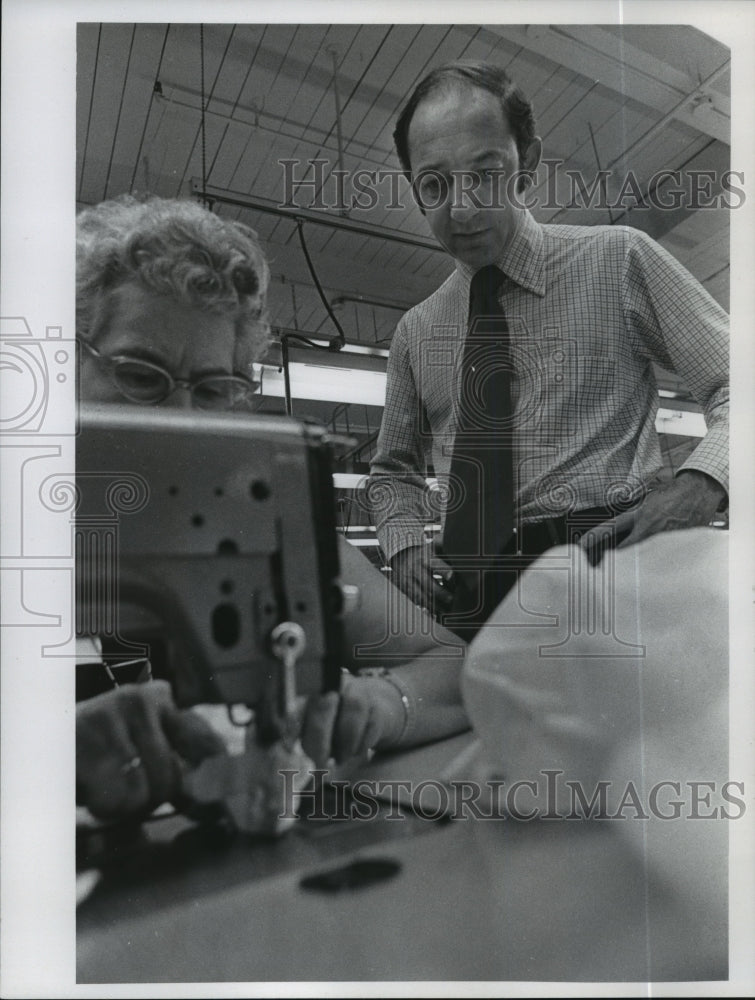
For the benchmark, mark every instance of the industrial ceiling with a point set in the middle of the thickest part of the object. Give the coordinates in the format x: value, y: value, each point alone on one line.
x: 238, y: 111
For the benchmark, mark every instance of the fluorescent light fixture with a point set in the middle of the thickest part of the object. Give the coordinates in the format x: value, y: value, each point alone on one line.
x: 355, y: 385
x: 336, y: 385
x: 686, y: 423
x: 349, y: 481
x: 347, y: 349
x: 357, y: 481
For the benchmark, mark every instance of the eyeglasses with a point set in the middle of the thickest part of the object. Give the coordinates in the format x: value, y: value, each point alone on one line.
x: 149, y: 384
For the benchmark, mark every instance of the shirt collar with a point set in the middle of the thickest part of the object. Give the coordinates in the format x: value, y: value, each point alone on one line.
x: 522, y: 260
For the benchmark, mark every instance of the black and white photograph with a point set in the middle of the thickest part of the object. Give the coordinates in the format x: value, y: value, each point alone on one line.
x: 376, y: 449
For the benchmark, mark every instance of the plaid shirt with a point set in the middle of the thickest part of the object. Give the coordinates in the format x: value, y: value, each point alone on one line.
x: 589, y: 309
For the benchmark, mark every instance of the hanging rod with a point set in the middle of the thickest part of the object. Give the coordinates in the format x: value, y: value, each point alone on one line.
x: 269, y: 207
x: 367, y: 300
x: 343, y: 297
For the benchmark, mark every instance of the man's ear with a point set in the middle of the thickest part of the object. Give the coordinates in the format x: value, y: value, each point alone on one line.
x: 531, y: 158
x: 528, y: 164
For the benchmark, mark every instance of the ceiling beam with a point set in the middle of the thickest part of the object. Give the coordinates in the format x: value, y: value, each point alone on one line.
x: 629, y: 72
x: 712, y: 163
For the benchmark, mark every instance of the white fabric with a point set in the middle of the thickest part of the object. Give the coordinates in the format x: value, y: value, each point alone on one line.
x: 641, y: 702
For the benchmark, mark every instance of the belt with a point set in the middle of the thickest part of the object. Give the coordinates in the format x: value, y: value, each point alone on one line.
x: 536, y: 537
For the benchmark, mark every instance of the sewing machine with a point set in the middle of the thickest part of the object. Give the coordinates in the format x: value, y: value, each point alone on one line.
x: 222, y: 528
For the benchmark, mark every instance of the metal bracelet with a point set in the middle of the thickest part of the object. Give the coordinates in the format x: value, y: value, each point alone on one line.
x: 406, y: 700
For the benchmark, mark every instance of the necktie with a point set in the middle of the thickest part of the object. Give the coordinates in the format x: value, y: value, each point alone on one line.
x: 480, y: 519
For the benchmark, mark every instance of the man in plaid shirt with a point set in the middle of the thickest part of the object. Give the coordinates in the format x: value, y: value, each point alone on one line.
x: 588, y: 310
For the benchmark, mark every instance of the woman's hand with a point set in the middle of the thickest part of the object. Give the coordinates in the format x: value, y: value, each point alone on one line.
x: 132, y: 748
x: 367, y: 714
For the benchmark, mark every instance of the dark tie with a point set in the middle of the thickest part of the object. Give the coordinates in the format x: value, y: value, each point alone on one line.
x: 479, y: 526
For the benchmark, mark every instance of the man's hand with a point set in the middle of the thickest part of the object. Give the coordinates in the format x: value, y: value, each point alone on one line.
x: 412, y: 572
x: 132, y: 747
x: 690, y: 500
x: 367, y: 714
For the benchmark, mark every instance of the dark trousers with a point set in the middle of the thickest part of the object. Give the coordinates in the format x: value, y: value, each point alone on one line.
x: 478, y: 593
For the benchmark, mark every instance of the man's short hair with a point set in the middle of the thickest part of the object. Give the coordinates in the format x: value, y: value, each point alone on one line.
x: 516, y: 108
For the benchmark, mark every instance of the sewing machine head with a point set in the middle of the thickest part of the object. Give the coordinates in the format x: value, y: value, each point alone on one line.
x: 223, y: 527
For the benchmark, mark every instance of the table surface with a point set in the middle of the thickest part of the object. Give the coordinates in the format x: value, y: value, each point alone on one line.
x: 474, y: 899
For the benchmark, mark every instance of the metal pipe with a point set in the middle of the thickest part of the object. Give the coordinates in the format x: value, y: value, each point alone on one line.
x: 350, y: 349
x: 367, y: 300
x: 359, y: 447
x: 269, y: 207
x: 320, y: 142
x: 597, y: 161
x: 339, y: 134
x: 286, y: 376
x: 371, y: 301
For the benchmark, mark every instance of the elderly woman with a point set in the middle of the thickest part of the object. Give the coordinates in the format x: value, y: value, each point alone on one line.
x: 165, y: 289
x: 171, y: 312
